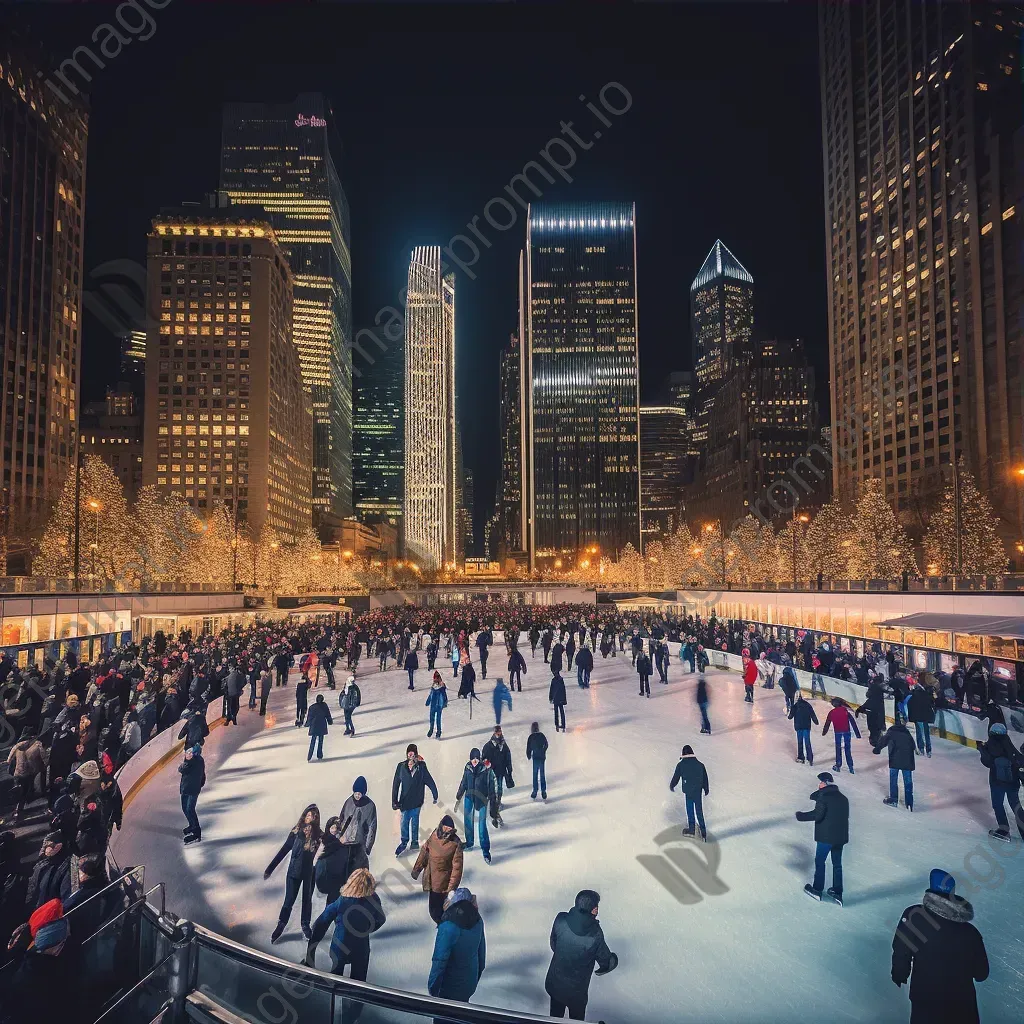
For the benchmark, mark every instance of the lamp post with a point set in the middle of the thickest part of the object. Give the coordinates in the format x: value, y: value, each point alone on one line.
x: 803, y: 518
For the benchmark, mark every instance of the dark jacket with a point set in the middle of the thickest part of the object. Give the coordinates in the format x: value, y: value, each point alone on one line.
x: 802, y: 714
x: 500, y: 758
x: 355, y: 919
x: 516, y: 661
x: 537, y: 746
x: 556, y: 691
x: 921, y: 704
x: 460, y: 953
x: 300, y: 860
x: 407, y: 789
x: 50, y: 880
x: 585, y: 658
x: 577, y: 943
x: 788, y: 684
x: 318, y: 717
x: 411, y: 661
x: 331, y: 868
x: 643, y: 665
x: 831, y: 816
x: 692, y: 775
x: 995, y: 753
x: 195, y: 730
x: 556, y: 657
x: 193, y: 775
x: 479, y: 785
x: 901, y: 747
x: 943, y: 954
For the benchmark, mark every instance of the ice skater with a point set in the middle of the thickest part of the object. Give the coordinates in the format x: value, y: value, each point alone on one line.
x: 789, y: 686
x: 498, y: 755
x: 556, y: 696
x: 317, y: 720
x: 802, y: 714
x: 502, y: 698
x: 478, y: 792
x: 300, y: 846
x: 749, y: 677
x: 577, y: 944
x: 357, y: 913
x: 441, y: 857
x: 412, y: 663
x: 408, y: 791
x: 437, y: 701
x: 584, y: 666
x: 831, y: 817
x: 1005, y: 765
x: 537, y: 752
x: 643, y: 670
x: 873, y: 710
x: 516, y: 668
x: 349, y: 699
x: 301, y: 695
x: 841, y: 721
x: 921, y: 711
x: 901, y: 759
x: 193, y: 778
x: 692, y: 777
x: 703, y: 702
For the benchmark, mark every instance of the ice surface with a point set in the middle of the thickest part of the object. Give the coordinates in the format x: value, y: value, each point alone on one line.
x: 734, y: 941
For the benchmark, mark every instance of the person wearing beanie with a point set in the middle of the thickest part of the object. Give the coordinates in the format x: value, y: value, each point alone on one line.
x: 802, y: 714
x: 440, y: 863
x: 831, y: 817
x: 349, y: 699
x: 478, y: 791
x: 901, y: 759
x: 1005, y: 765
x: 498, y: 755
x: 460, y: 949
x: 36, y: 986
x: 358, y: 829
x: 437, y: 701
x: 577, y: 944
x: 942, y: 954
x: 317, y: 720
x: 51, y: 876
x: 693, y: 779
x: 408, y: 790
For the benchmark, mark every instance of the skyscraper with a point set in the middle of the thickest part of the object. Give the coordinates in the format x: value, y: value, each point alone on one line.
x: 279, y: 157
x: 227, y: 421
x: 921, y: 124
x: 378, y: 438
x: 511, y: 508
x: 430, y: 443
x: 42, y: 202
x: 582, y: 378
x: 665, y: 468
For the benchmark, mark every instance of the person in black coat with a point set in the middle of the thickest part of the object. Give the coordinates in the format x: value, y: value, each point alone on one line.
x: 556, y: 657
x: 51, y: 876
x: 831, y: 817
x: 584, y: 666
x: 556, y: 696
x: 921, y: 711
x: 411, y: 664
x: 516, y: 667
x: 789, y: 686
x: 643, y: 670
x: 193, y: 777
x: 466, y: 685
x: 693, y: 779
x: 802, y: 714
x: 577, y: 944
x: 195, y: 730
x: 873, y: 710
x: 901, y: 759
x: 499, y: 754
x: 1005, y: 765
x: 301, y: 696
x: 300, y: 846
x: 703, y: 702
x: 329, y: 873
x: 408, y: 791
x: 546, y: 641
x: 317, y: 719
x: 942, y: 954
x: 537, y: 752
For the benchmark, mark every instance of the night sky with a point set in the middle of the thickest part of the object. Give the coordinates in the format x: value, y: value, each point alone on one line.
x: 438, y: 106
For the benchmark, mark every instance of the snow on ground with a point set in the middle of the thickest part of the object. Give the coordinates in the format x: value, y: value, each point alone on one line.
x: 715, y: 933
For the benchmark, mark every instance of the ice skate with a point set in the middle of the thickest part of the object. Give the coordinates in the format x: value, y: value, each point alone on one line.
x: 815, y: 894
x: 1002, y: 834
x: 837, y: 897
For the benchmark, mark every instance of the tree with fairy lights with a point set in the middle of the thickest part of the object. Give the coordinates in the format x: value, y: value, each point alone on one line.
x: 827, y: 541
x: 879, y: 546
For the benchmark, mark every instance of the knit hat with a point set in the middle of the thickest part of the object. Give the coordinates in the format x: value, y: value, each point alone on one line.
x: 47, y: 925
x: 941, y: 881
x: 474, y: 754
x: 359, y: 786
x: 411, y: 749
x: 458, y: 895
x: 997, y: 729
x: 54, y: 837
x: 447, y: 821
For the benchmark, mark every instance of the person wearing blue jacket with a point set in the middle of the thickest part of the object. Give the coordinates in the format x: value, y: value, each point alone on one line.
x: 356, y: 914
x: 437, y: 701
x: 460, y: 949
x: 502, y: 696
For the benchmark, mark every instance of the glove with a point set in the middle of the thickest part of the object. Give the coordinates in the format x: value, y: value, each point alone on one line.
x: 394, y: 807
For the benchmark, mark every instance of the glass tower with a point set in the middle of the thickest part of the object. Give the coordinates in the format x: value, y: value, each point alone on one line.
x: 279, y: 157
x: 431, y: 478
x: 582, y: 376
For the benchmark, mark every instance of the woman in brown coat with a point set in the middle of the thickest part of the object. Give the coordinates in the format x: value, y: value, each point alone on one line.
x: 26, y: 757
x: 441, y: 855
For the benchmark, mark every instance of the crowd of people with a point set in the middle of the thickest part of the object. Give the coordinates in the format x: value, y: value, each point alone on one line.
x: 76, y: 724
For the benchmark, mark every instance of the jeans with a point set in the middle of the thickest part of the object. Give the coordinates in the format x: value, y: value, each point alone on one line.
x: 645, y: 684
x: 582, y: 676
x: 435, y: 720
x: 803, y: 740
x: 252, y: 694
x: 538, y: 773
x: 411, y: 826
x: 411, y: 672
x: 908, y: 785
x: 483, y: 665
x: 577, y: 1009
x: 468, y: 814
x: 349, y: 727
x: 695, y: 805
x: 843, y: 739
x: 924, y: 737
x: 704, y: 722
x: 515, y: 679
x: 318, y: 742
x: 263, y: 704
x: 1011, y: 794
x: 188, y: 808
x: 821, y: 852
x: 817, y: 683
x: 559, y: 714
x: 749, y: 695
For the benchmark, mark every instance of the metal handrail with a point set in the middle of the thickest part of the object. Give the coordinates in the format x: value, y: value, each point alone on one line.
x: 143, y: 901
x: 375, y: 995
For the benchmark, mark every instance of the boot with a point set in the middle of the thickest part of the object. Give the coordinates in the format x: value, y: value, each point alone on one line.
x: 277, y: 932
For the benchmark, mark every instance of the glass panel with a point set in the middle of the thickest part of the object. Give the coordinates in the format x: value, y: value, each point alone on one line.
x: 17, y: 630
x: 67, y: 625
x: 855, y: 621
x: 838, y: 620
x: 123, y: 620
x: 42, y: 627
x: 824, y: 617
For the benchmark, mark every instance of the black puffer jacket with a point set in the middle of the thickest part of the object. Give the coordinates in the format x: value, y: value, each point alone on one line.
x: 831, y: 816
x: 577, y: 943
x: 901, y: 747
x: 802, y: 714
x: 407, y: 788
x: 692, y: 775
x: 331, y: 867
x: 921, y: 705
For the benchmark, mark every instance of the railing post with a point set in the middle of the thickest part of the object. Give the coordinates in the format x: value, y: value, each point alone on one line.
x: 180, y: 972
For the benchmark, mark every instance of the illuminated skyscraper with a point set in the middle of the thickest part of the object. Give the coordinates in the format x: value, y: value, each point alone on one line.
x: 665, y: 467
x: 922, y: 132
x: 582, y: 378
x: 279, y: 157
x: 431, y: 494
x: 510, y: 506
x: 42, y: 205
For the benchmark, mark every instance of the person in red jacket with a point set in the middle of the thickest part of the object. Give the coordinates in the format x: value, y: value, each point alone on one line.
x: 842, y: 722
x: 749, y: 678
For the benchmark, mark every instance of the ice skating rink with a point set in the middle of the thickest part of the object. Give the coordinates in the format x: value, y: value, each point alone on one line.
x: 713, y: 933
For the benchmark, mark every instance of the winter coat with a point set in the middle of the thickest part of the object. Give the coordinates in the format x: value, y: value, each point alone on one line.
x: 27, y: 758
x: 643, y: 665
x: 468, y: 679
x: 234, y: 684
x: 841, y: 720
x: 193, y: 775
x: 300, y: 860
x: 692, y: 776
x: 266, y: 683
x: 350, y: 698
x: 195, y: 730
x: 537, y: 746
x: 788, y: 684
x: 556, y: 658
x: 332, y: 867
x: 437, y: 699
x: 585, y: 659
x: 556, y: 691
x: 460, y: 953
x: 50, y: 880
x: 802, y: 714
x: 943, y: 954
x: 831, y: 816
x: 516, y: 661
x: 411, y: 661
x: 1002, y: 759
x: 407, y: 789
x: 901, y: 747
x: 355, y: 919
x: 318, y: 717
x: 501, y: 696
x: 577, y: 943
x: 500, y: 757
x: 921, y: 705
x: 111, y: 806
x: 479, y: 785
x: 750, y: 672
x: 440, y: 862
x: 358, y: 822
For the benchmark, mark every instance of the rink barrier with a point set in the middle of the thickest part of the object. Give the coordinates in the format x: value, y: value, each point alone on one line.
x: 950, y: 725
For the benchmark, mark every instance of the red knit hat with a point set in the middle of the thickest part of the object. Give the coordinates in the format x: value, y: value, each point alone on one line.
x: 46, y: 914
